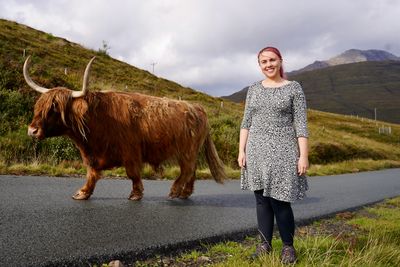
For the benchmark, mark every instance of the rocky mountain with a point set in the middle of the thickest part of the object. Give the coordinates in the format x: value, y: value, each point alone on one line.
x: 348, y: 57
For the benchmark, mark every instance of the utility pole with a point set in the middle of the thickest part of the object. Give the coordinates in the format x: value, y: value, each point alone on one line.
x: 153, y: 64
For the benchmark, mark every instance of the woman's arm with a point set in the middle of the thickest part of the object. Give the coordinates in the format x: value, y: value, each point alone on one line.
x: 244, y: 133
x: 300, y: 125
x: 244, y: 129
x: 303, y: 163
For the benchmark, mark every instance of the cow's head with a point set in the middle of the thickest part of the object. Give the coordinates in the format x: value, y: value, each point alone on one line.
x: 58, y: 110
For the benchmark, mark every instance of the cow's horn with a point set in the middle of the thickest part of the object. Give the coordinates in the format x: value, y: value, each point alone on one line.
x: 85, y: 88
x: 29, y: 81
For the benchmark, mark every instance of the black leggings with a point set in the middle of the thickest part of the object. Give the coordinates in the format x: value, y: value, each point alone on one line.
x: 267, y: 207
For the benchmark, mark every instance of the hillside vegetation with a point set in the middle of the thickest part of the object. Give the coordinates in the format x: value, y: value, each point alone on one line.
x: 338, y: 143
x: 356, y: 89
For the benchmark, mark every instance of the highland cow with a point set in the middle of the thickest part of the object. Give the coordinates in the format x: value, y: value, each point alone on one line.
x: 113, y: 129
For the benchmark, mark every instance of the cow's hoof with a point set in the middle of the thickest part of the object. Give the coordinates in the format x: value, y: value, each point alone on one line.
x: 173, y: 195
x: 184, y: 195
x: 175, y: 192
x: 135, y: 198
x: 80, y: 195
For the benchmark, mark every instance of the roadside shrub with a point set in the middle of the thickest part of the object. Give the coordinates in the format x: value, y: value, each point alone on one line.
x: 57, y: 149
x: 17, y: 147
x: 15, y: 110
x: 225, y: 134
x: 322, y: 153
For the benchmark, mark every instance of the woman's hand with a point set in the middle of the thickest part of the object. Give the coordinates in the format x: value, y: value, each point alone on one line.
x: 302, y: 166
x: 242, y: 160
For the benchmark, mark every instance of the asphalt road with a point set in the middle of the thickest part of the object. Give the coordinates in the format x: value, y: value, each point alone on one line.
x: 40, y: 225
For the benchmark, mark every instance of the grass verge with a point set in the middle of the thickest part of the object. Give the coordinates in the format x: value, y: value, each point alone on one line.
x: 76, y: 168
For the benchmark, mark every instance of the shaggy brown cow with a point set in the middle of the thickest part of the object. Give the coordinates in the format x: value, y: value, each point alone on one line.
x: 114, y: 129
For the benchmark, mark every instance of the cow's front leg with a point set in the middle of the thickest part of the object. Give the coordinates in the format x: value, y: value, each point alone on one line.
x: 137, y: 186
x: 92, y: 176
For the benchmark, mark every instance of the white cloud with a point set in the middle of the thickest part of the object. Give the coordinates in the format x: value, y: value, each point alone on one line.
x: 211, y: 45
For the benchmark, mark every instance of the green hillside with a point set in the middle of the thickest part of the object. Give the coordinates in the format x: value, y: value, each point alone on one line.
x: 338, y: 143
x: 51, y: 56
x: 356, y: 89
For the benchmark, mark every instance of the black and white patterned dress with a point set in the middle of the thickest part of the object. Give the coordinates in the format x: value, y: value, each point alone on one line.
x: 275, y: 118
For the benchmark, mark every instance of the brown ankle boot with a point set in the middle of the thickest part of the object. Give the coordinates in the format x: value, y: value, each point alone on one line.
x: 262, y: 249
x: 288, y: 254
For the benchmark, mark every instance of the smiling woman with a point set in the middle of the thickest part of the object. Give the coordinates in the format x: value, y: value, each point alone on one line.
x: 273, y: 150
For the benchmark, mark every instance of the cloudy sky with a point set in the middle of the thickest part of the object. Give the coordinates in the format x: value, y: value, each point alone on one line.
x: 211, y: 45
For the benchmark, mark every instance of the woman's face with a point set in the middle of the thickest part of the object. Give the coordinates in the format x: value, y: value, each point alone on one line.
x: 270, y: 64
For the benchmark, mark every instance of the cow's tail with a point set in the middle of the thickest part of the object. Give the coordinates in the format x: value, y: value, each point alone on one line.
x: 214, y: 162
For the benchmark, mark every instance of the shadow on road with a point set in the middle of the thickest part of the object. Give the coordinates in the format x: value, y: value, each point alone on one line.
x: 222, y: 200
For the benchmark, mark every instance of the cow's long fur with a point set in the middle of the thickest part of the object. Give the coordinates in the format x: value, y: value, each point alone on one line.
x: 114, y: 129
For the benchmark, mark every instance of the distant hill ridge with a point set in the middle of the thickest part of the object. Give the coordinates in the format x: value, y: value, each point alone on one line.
x: 348, y: 57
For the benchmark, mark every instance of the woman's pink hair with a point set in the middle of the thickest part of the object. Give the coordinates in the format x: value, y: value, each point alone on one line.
x: 275, y: 51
